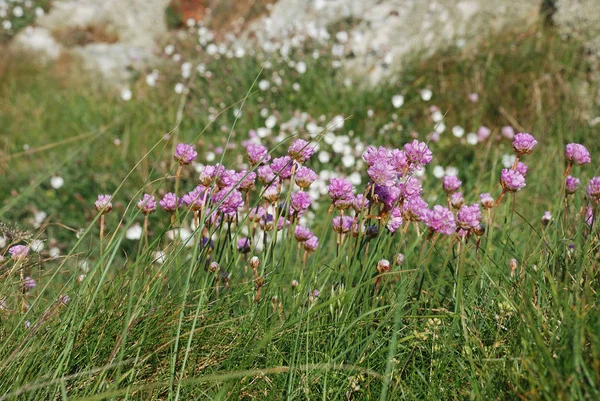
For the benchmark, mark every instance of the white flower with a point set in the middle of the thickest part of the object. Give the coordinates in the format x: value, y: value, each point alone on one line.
x: 186, y: 69
x: 126, y: 94
x: 458, y: 131
x: 18, y: 12
x: 336, y: 124
x: 159, y: 257
x: 134, y: 232
x: 169, y: 49
x: 190, y: 22
x: 472, y: 138
x: 210, y: 156
x: 263, y: 85
x: 6, y: 24
x: 39, y: 12
x: 440, y: 128
x: 348, y: 161
x: 37, y: 245
x: 2, y: 241
x: 508, y: 160
x: 151, y: 78
x: 263, y: 132
x: 54, y: 252
x: 355, y: 178
x: 212, y: 49
x: 296, y: 86
x: 56, y: 182
x: 179, y: 88
x: 397, y: 101
x: 324, y: 157
x: 264, y: 112
x: 237, y: 113
x: 39, y: 218
x: 301, y: 67
x: 271, y: 121
x: 453, y: 171
x: 438, y: 171
x: 437, y: 116
x: 426, y: 94
x: 342, y: 36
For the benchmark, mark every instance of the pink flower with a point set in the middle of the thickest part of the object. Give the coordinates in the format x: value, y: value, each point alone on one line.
x: 511, y: 180
x: 594, y: 188
x: 571, y: 185
x: 257, y: 154
x: 524, y: 143
x: 486, y: 200
x: 342, y: 224
x: 169, y: 202
x: 457, y: 200
x: 147, y: 204
x: 394, y: 220
x: 282, y: 167
x: 18, y: 252
x: 103, y: 204
x: 382, y: 173
x: 451, y: 184
x: 300, y: 150
x: 302, y: 234
x: 311, y: 244
x: 468, y: 217
x: 305, y: 177
x: 418, y: 153
x: 577, y: 154
x: 440, y: 220
x: 300, y: 201
x: 185, y: 153
x: 483, y: 133
x: 339, y: 188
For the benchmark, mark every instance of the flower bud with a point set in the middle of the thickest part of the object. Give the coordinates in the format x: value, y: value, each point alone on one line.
x: 383, y: 266
x: 213, y: 267
x: 546, y: 218
x: 399, y: 259
x: 254, y: 262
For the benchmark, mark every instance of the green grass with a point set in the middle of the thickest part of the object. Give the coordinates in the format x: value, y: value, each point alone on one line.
x: 450, y: 323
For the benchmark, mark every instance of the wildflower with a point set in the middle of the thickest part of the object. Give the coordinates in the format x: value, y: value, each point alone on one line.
x: 440, y: 220
x: 571, y: 185
x: 524, y: 143
x: 414, y: 209
x: 457, y: 200
x: 245, y: 180
x: 594, y: 188
x: 508, y: 132
x: 147, y: 204
x: 376, y: 155
x: 511, y: 180
x: 342, y: 224
x: 169, y: 202
x: 311, y: 244
x: 295, y: 284
x: 387, y: 195
x: 271, y: 193
x: 399, y: 161
x: 134, y: 232
x: 243, y: 245
x: 305, y: 177
x: 282, y: 167
x: 57, y: 182
x: 360, y: 203
x: 302, y: 234
x: 468, y: 217
x: 546, y: 218
x: 254, y: 262
x: 281, y: 223
x: 103, y: 204
x: 195, y: 199
x: 394, y: 220
x: 577, y: 154
x: 256, y: 214
x: 265, y: 174
x: 64, y: 299
x: 399, y: 259
x: 257, y: 154
x: 300, y: 201
x: 418, y: 153
x: 589, y: 215
x: 383, y: 266
x: 371, y: 232
x: 18, y: 252
x: 486, y: 200
x: 185, y: 153
x: 339, y: 188
x: 300, y: 150
x: 522, y: 168
x: 229, y: 200
x: 451, y: 184
x: 382, y: 173
x: 483, y: 133
x: 410, y: 188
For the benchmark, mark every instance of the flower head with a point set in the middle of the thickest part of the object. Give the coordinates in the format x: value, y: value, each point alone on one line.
x: 245, y: 180
x: 271, y: 193
x: 394, y: 219
x: 103, y: 204
x: 196, y: 199
x: 28, y: 284
x: 302, y: 234
x: 486, y: 200
x: 339, y: 188
x: 300, y: 150
x: 282, y: 167
x: 169, y: 202
x: 571, y: 185
x: 147, y: 204
x: 360, y: 203
x: 440, y: 220
x: 374, y: 155
x: 451, y: 183
x: 457, y: 200
x: 468, y: 217
x: 266, y: 175
x: 577, y: 154
x: 594, y: 188
x: 257, y: 154
x: 483, y: 133
x: 382, y: 173
x: 522, y: 168
x: 410, y: 187
x: 243, y: 245
x: 311, y: 244
x: 229, y: 200
x: 511, y: 180
x: 305, y: 177
x: 342, y: 224
x: 185, y: 153
x: 18, y: 252
x: 418, y: 153
x: 414, y: 209
x: 523, y: 143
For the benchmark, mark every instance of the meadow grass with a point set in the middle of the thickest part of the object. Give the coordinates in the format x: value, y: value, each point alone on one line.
x: 453, y: 321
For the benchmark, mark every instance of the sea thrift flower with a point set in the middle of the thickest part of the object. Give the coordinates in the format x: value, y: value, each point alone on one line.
x: 360, y: 203
x: 147, y: 204
x: 418, y: 153
x: 245, y: 180
x: 103, y: 204
x: 311, y: 244
x: 457, y: 200
x: 508, y: 132
x: 28, y: 284
x: 546, y: 218
x: 266, y: 175
x: 468, y: 217
x: 339, y: 188
x: 169, y: 202
x: 302, y: 234
x: 282, y: 167
x: 451, y: 183
x: 382, y: 173
x: 383, y: 266
x: 577, y: 154
x: 394, y: 220
x: 410, y: 188
x: 300, y: 150
x: 300, y: 201
x: 414, y: 209
x: 271, y: 193
x: 374, y: 155
x: 243, y: 245
x: 257, y: 154
x: 305, y: 177
x: 387, y: 195
x: 256, y: 213
x: 399, y: 161
x: 267, y: 222
x: 483, y: 133
x: 281, y: 223
x: 524, y: 143
x: 486, y: 200
x: 589, y: 215
x: 196, y: 199
x: 594, y: 188
x: 571, y: 185
x: 18, y: 252
x: 185, y: 153
x: 440, y: 220
x: 229, y: 200
x: 511, y: 180
x: 522, y: 168
x: 342, y: 224
x: 226, y: 178
x: 399, y: 259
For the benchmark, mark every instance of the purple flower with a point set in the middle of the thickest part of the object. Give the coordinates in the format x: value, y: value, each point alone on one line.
x: 282, y: 223
x: 414, y: 209
x: 302, y: 234
x: 440, y: 220
x: 18, y: 252
x: 282, y: 167
x: 486, y: 200
x: 457, y: 200
x: 342, y: 224
x: 300, y: 201
x: 28, y: 284
x: 271, y: 193
x: 468, y: 217
x: 410, y: 188
x: 339, y: 188
x: 382, y: 173
x: 571, y: 185
x: 169, y: 202
x: 589, y: 215
x: 226, y: 178
x: 394, y: 219
x: 508, y: 132
x: 305, y: 177
x: 267, y: 222
x: 243, y: 245
x: 546, y: 218
x: 451, y: 183
x: 229, y: 200
x: 399, y: 161
x: 208, y: 174
x: 360, y: 203
x: 245, y: 180
x: 524, y: 143
x: 387, y: 195
x: 185, y: 153
x: 374, y: 155
x: 344, y: 202
x: 418, y: 153
x: 265, y: 174
x: 103, y: 204
x: 522, y: 168
x: 483, y: 133
x: 594, y: 188
x: 147, y: 204
x: 257, y: 154
x: 577, y: 154
x: 311, y: 244
x: 196, y: 199
x: 256, y: 213
x: 300, y: 150
x: 511, y: 180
